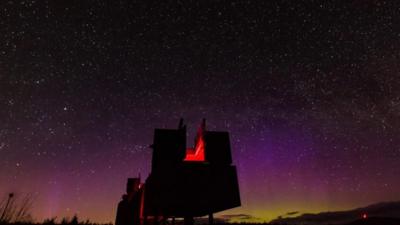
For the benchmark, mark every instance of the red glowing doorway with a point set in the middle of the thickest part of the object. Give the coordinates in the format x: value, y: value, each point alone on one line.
x: 198, y: 152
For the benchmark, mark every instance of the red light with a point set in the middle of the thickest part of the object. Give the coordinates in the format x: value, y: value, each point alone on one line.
x: 364, y: 216
x: 198, y: 153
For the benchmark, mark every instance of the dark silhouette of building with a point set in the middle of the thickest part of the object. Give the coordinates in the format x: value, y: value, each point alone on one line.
x: 187, y: 182
x: 128, y: 211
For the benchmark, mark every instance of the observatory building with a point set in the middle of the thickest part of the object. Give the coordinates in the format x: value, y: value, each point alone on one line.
x: 184, y: 182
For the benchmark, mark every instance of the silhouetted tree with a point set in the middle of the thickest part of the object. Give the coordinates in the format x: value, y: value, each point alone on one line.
x: 50, y: 221
x: 65, y: 221
x: 74, y: 220
x: 13, y: 210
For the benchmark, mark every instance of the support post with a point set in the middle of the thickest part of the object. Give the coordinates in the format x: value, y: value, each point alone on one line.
x: 211, y: 218
x: 188, y: 220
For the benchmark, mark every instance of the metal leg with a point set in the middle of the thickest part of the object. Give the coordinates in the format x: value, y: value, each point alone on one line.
x: 188, y: 220
x: 210, y: 218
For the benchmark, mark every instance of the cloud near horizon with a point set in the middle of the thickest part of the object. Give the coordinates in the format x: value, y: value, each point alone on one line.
x: 292, y: 213
x: 239, y: 217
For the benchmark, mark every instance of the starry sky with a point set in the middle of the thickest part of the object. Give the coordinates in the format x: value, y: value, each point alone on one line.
x: 309, y: 91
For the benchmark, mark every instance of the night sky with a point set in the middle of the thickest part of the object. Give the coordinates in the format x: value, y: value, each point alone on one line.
x: 309, y: 91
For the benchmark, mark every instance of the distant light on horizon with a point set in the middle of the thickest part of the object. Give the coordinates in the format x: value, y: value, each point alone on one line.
x: 364, y: 216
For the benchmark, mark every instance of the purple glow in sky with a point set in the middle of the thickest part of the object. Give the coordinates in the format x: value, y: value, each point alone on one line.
x: 310, y: 94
